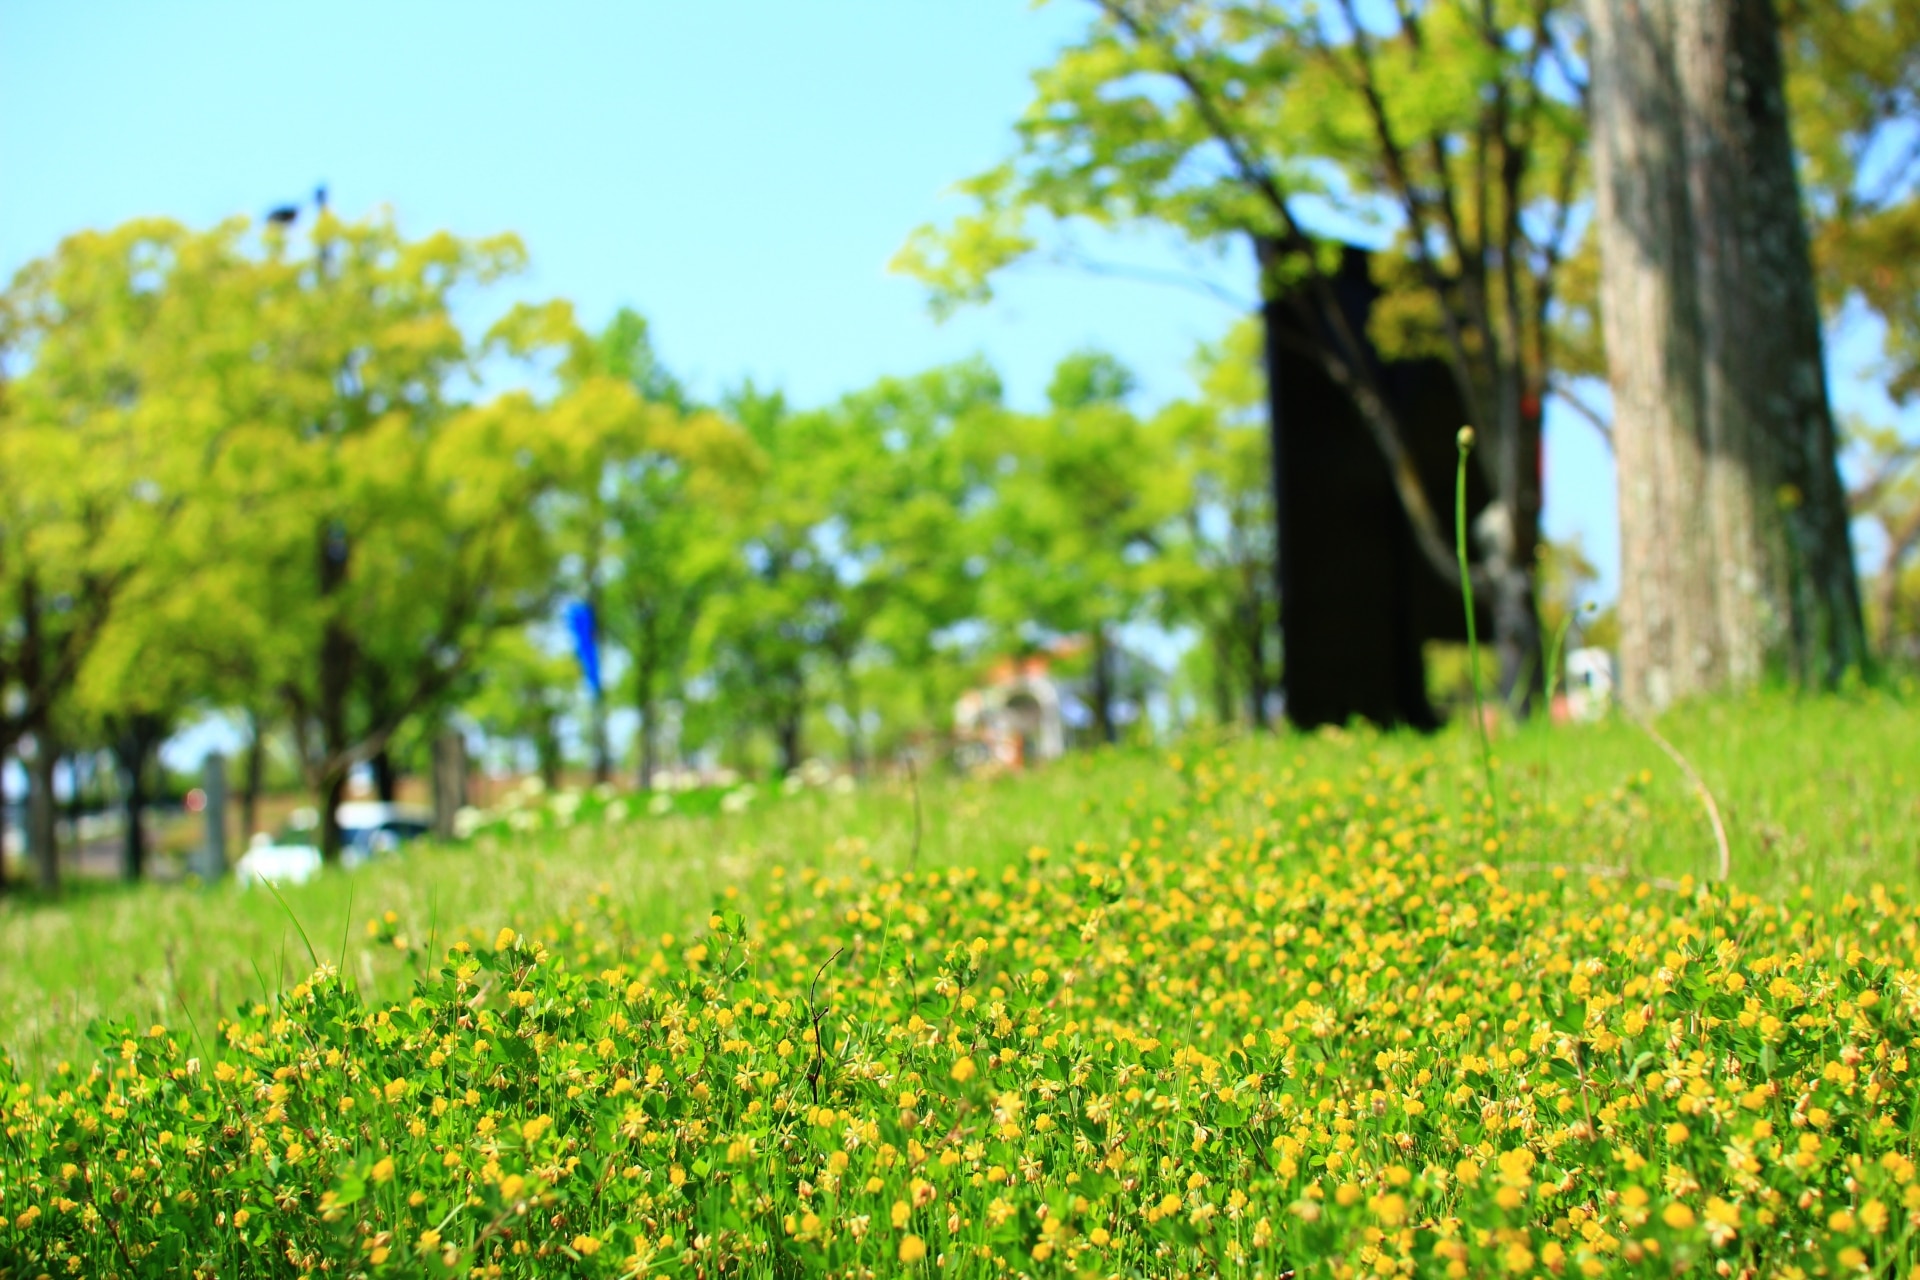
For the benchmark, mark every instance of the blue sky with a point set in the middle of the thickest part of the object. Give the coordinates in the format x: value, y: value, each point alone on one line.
x: 739, y: 171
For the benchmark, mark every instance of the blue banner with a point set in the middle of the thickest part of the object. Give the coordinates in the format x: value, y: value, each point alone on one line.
x: 585, y: 646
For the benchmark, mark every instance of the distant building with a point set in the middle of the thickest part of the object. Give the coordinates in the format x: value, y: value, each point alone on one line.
x: 1015, y: 719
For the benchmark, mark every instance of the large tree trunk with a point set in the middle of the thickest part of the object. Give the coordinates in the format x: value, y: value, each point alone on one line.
x: 1735, y: 554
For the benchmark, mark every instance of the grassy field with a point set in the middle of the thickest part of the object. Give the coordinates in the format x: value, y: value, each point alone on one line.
x: 1333, y: 944
x: 1821, y: 794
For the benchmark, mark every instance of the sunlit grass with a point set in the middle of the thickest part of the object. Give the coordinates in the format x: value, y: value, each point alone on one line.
x: 1248, y: 1005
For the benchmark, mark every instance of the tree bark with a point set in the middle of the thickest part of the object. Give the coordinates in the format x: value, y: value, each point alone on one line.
x: 645, y: 677
x: 1222, y: 678
x: 134, y: 740
x: 42, y: 828
x: 336, y: 675
x: 787, y: 736
x: 546, y: 748
x: 386, y: 779
x: 1735, y: 553
x: 255, y: 778
x: 1103, y: 687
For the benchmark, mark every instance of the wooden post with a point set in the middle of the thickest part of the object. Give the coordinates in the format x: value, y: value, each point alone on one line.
x: 449, y: 780
x: 211, y: 862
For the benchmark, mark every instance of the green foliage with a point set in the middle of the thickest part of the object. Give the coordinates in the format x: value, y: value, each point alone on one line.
x: 1854, y: 88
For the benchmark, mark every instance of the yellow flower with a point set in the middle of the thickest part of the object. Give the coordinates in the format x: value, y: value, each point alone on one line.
x: 428, y: 1239
x: 503, y: 940
x: 1723, y: 1221
x: 586, y: 1246
x: 383, y: 1169
x: 1677, y: 1215
x: 912, y: 1249
x: 240, y: 1217
x: 963, y: 1070
x: 533, y: 1128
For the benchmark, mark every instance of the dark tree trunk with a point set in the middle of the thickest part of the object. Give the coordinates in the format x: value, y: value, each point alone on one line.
x: 255, y: 778
x: 133, y: 807
x: 646, y: 699
x: 1253, y: 636
x: 1103, y: 687
x: 1223, y: 677
x: 134, y: 739
x: 76, y: 797
x: 386, y: 779
x: 336, y: 677
x: 602, y: 748
x: 6, y: 753
x: 856, y: 735
x: 787, y: 737
x: 42, y: 826
x: 333, y: 790
x: 546, y: 747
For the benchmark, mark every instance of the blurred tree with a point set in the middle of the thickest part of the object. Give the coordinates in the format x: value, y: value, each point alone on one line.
x: 898, y: 471
x: 1081, y: 500
x: 100, y: 439
x: 1853, y: 84
x: 1218, y: 565
x: 650, y: 517
x: 521, y: 693
x: 1889, y: 497
x: 765, y: 630
x: 1455, y: 130
x: 392, y: 528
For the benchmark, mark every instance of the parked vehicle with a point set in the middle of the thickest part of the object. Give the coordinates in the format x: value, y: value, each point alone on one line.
x: 369, y: 829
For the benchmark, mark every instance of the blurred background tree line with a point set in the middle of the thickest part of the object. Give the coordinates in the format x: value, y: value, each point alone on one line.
x: 273, y: 471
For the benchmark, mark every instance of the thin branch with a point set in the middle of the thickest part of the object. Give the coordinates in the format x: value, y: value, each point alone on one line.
x: 1357, y: 379
x: 1563, y: 388
x: 1147, y: 275
x: 1400, y: 177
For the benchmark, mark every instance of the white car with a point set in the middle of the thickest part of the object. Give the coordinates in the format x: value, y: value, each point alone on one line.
x: 269, y: 861
x: 368, y: 828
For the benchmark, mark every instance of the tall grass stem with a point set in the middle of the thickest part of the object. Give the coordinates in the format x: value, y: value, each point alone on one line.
x: 1465, y: 441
